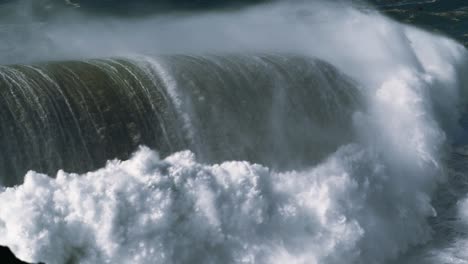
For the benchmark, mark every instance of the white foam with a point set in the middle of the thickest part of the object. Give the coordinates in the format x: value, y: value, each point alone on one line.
x: 147, y: 210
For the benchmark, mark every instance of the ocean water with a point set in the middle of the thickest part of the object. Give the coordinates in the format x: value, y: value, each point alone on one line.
x: 285, y: 132
x: 442, y: 17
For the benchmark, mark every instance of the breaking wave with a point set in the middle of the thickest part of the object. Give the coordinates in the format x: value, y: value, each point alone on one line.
x: 314, y: 144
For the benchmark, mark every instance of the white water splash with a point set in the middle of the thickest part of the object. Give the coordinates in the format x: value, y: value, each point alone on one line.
x: 367, y: 203
x: 147, y: 210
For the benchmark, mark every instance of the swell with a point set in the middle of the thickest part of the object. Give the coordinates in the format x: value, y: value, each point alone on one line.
x: 76, y: 115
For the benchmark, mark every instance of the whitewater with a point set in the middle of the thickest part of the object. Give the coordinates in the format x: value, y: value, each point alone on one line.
x: 289, y: 132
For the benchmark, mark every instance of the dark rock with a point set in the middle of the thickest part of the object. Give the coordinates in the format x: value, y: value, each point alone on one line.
x: 7, y: 257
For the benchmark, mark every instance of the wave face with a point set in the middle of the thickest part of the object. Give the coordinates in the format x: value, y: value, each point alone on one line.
x: 310, y: 143
x: 75, y: 115
x: 282, y: 111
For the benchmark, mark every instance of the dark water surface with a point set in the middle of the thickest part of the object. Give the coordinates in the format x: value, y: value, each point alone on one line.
x: 449, y: 17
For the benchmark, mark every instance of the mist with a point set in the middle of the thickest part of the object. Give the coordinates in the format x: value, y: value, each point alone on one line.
x: 75, y: 33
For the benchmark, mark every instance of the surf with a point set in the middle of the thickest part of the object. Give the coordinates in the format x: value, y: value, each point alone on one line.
x: 310, y: 143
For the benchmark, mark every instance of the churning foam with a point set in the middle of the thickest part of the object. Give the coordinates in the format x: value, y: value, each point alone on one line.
x: 148, y: 210
x: 366, y: 203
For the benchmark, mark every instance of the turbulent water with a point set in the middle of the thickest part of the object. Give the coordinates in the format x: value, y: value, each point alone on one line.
x: 288, y: 132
